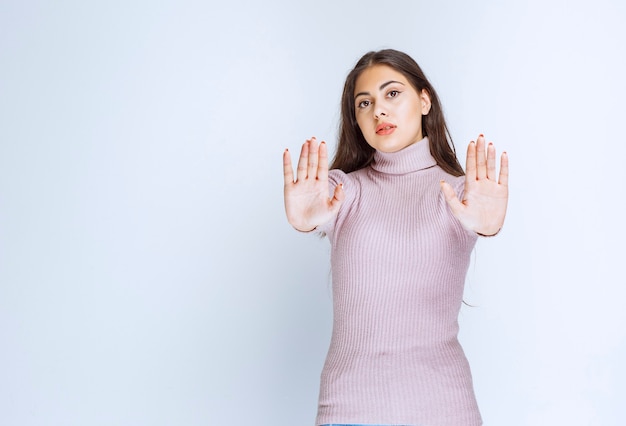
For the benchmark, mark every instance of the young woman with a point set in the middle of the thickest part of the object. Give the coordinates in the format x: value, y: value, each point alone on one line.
x: 402, y: 220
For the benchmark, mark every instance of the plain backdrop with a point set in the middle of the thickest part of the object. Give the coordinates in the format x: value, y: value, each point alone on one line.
x: 148, y: 275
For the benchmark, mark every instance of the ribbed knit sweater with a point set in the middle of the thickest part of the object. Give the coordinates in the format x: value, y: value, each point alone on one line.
x: 399, y: 259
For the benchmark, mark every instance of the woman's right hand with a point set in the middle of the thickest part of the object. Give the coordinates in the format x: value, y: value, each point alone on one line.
x: 306, y: 199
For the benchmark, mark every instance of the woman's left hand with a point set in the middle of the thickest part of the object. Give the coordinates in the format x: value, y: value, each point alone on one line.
x: 484, y: 201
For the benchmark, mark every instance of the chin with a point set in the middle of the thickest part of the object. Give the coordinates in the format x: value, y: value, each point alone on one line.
x: 391, y: 148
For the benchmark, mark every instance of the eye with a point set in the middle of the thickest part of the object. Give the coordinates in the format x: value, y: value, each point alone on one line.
x: 363, y: 104
x: 393, y: 93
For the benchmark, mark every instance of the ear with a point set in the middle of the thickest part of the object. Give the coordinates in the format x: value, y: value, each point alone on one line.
x: 425, y: 99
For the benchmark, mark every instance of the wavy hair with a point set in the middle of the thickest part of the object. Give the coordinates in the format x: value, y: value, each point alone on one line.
x: 353, y: 151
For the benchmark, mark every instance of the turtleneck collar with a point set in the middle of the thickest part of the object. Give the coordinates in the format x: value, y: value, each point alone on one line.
x: 410, y: 159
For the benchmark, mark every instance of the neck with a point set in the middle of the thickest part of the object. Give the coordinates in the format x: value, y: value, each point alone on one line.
x: 410, y: 159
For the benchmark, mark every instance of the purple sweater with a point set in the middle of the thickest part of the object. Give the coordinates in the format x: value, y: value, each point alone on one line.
x: 399, y: 260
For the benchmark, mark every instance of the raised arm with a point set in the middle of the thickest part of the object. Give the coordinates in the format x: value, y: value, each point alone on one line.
x: 306, y: 198
x: 484, y: 203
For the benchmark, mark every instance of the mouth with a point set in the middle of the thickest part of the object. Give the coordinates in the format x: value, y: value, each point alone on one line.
x: 385, y: 128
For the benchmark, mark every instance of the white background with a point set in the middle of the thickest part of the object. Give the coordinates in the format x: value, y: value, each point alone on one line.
x: 148, y: 275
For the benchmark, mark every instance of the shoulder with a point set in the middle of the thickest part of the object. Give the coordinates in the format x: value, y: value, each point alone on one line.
x: 456, y: 182
x: 336, y: 176
x: 350, y: 180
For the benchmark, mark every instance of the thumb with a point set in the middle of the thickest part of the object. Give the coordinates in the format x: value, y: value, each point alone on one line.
x: 338, y: 197
x: 453, y: 201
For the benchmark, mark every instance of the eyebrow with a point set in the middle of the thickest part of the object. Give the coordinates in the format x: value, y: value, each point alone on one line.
x: 382, y: 86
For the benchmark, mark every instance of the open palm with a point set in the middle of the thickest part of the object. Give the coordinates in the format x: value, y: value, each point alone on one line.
x: 484, y: 203
x: 307, y: 203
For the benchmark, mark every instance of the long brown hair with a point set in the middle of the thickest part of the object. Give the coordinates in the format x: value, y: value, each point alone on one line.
x: 353, y: 151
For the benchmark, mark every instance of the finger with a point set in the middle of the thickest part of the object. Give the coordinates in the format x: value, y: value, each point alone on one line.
x: 302, y: 162
x: 491, y: 162
x: 453, y: 201
x: 504, y: 169
x: 470, y: 162
x: 287, y: 167
x: 313, y: 159
x: 322, y: 167
x: 481, y: 164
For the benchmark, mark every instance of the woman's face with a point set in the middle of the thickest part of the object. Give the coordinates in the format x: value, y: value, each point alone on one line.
x: 388, y: 109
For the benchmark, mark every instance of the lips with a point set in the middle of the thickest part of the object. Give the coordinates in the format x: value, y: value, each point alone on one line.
x: 385, y: 128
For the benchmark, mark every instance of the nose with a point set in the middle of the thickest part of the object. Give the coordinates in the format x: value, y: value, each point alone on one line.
x: 379, y: 112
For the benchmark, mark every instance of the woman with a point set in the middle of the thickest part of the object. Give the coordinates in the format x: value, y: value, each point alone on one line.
x: 402, y: 222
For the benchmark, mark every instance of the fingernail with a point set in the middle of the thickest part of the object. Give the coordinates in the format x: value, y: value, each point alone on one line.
x: 481, y: 136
